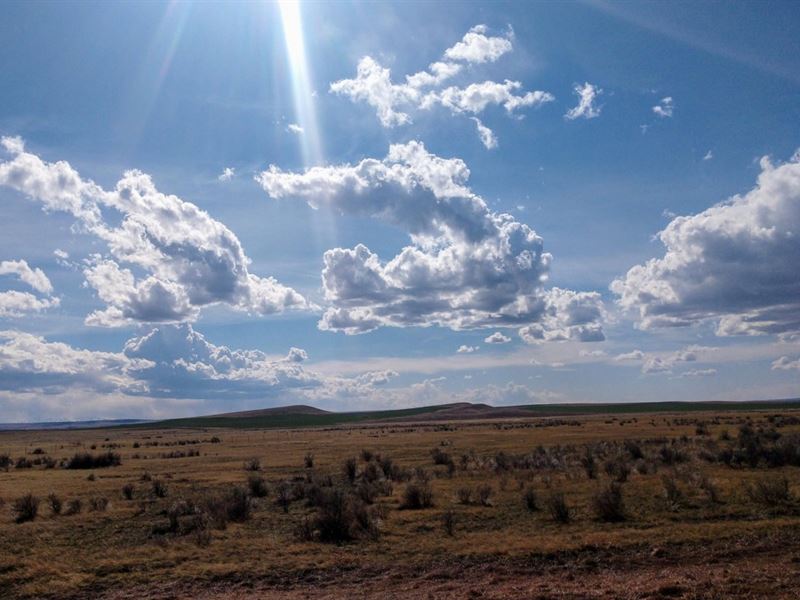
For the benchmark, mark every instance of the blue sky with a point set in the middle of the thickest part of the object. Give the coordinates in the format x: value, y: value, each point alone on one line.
x: 378, y: 223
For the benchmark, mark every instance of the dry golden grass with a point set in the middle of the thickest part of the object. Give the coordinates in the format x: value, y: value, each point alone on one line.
x: 127, y: 547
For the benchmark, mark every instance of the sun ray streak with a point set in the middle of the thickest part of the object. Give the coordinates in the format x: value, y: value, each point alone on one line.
x: 305, y: 112
x: 322, y: 223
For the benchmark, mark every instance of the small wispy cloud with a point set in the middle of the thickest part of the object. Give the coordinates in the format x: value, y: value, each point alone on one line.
x: 592, y: 353
x: 698, y: 373
x: 497, y: 338
x: 665, y: 108
x: 487, y: 136
x: 227, y: 174
x: 784, y: 363
x: 587, y: 96
x: 709, y: 155
x: 464, y: 349
x: 295, y: 128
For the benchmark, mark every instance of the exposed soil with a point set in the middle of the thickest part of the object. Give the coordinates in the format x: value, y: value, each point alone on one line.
x: 763, y: 566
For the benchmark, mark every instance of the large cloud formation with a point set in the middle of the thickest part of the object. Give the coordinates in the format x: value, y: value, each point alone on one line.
x: 735, y: 263
x: 31, y: 363
x: 173, y: 368
x: 175, y: 362
x: 179, y: 259
x: 185, y: 364
x: 466, y: 267
x: 392, y: 101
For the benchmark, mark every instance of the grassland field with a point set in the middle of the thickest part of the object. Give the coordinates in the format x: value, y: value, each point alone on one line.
x: 637, y: 505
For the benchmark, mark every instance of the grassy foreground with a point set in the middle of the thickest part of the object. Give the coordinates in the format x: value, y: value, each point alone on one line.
x: 648, y: 505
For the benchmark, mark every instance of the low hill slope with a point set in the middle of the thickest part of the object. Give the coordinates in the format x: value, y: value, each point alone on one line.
x: 308, y: 416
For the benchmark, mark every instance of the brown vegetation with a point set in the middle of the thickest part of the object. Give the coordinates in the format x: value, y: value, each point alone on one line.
x: 430, y: 502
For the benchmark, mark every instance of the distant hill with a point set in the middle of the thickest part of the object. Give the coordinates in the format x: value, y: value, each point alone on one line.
x: 294, y: 409
x: 308, y: 416
x: 301, y: 415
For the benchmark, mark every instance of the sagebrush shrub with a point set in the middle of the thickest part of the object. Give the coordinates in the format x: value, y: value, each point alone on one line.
x: 618, y: 469
x: 257, y: 486
x: 98, y: 503
x: 23, y: 463
x: 710, y: 488
x: 25, y: 508
x: 530, y: 500
x: 558, y: 508
x: 283, y: 496
x: 671, y: 455
x: 770, y: 491
x: 55, y: 504
x: 177, y: 510
x: 238, y: 505
x: 350, y: 469
x: 159, y: 488
x: 418, y: 494
x: 252, y: 464
x: 608, y: 504
x: 440, y: 457
x: 449, y: 522
x: 74, y: 506
x: 85, y: 460
x: 484, y: 493
x: 589, y: 464
x: 672, y: 492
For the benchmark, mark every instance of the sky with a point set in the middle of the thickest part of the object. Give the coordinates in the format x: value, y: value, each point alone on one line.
x: 210, y: 207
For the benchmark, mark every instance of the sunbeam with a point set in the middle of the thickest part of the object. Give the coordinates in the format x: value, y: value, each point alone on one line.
x: 322, y: 223
x: 305, y: 112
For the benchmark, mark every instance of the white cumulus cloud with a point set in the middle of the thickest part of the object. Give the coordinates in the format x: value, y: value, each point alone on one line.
x: 734, y: 263
x: 477, y: 47
x: 15, y: 303
x: 35, y: 278
x: 189, y: 259
x: 476, y: 97
x: 466, y: 266
x: 373, y: 85
x: 30, y: 363
x: 393, y: 102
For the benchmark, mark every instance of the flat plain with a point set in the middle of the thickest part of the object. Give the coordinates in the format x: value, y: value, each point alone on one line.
x: 639, y: 505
